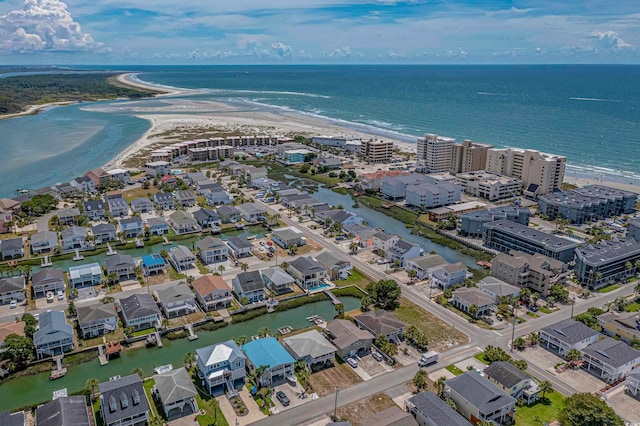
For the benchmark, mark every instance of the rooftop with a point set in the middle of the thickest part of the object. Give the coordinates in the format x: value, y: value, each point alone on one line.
x: 380, y: 322
x: 612, y: 352
x: 174, y: 386
x: 473, y: 296
x: 123, y: 398
x: 96, y: 311
x: 139, y: 306
x: 480, y: 392
x: 267, y: 351
x: 219, y: 353
x: 177, y: 293
x: 208, y: 283
x: 65, y: 411
x: 548, y: 241
x: 570, y: 331
x: 505, y: 373
x: 310, y: 343
x: 608, y: 251
x: 250, y: 281
x: 499, y: 287
x: 306, y: 265
x: 153, y: 260
x: 437, y: 410
x: 345, y: 333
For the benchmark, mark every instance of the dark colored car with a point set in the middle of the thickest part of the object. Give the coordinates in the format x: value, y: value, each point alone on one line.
x: 283, y: 398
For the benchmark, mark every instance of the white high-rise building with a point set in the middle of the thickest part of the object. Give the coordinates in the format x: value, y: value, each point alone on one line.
x: 435, y: 153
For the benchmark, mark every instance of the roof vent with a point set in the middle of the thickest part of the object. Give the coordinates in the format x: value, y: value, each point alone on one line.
x: 113, y: 405
x: 136, y: 397
x: 124, y: 402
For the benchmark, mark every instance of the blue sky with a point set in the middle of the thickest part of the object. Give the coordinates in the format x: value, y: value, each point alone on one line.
x: 318, y: 31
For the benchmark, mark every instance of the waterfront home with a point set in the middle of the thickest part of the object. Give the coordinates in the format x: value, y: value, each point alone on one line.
x: 221, y: 367
x: 157, y: 226
x: 103, y: 232
x: 85, y: 275
x: 268, y: 352
x: 277, y: 280
x: 12, y: 289
x: 239, y: 247
x: 348, y: 338
x: 249, y: 285
x: 609, y: 359
x: 131, y: 227
x: 217, y: 197
x: 94, y: 209
x: 426, y: 196
x: 182, y: 259
x: 265, y: 184
x: 97, y: 319
x: 287, y: 237
x: 11, y: 248
x: 44, y: 242
x: 122, y: 265
x: 123, y: 402
x: 477, y: 399
x: 176, y: 301
x: 228, y: 214
x: 141, y: 205
x: 62, y: 411
x: 153, y: 264
x: 403, y: 251
x: 68, y: 216
x: 252, y: 212
x: 598, y: 265
x: 384, y: 242
x: 308, y: 273
x: 311, y: 347
x: 65, y: 190
x: 425, y: 265
x: 207, y: 218
x: 98, y: 176
x: 193, y: 178
x: 449, y: 275
x: 54, y: 336
x: 632, y: 383
x: 535, y: 271
x: 186, y: 198
x: 621, y: 325
x: 381, y: 323
x: 332, y: 163
x: 47, y: 280
x: 83, y: 184
x: 431, y: 410
x: 157, y: 168
x: 212, y: 292
x: 118, y: 207
x: 168, y: 180
x: 337, y: 268
x: 464, y: 297
x: 567, y: 334
x: 176, y: 393
x: 212, y: 250
x: 498, y: 289
x: 121, y: 175
x: 363, y: 235
x: 74, y: 238
x: 140, y: 312
x: 207, y: 186
x: 513, y: 381
x: 183, y: 222
x: 343, y: 217
x: 164, y: 200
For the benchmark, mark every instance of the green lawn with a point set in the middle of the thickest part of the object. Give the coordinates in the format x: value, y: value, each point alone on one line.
x: 480, y: 357
x: 96, y: 412
x: 454, y: 370
x: 203, y: 269
x: 175, y: 275
x: 609, y: 288
x: 542, y: 411
x: 213, y: 414
x: 532, y: 314
x: 356, y: 278
x: 143, y: 332
x: 148, y: 385
x: 633, y: 307
x: 545, y: 310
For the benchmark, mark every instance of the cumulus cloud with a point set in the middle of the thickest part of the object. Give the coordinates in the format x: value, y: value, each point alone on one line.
x: 609, y: 40
x: 282, y: 50
x: 44, y: 25
x: 339, y: 52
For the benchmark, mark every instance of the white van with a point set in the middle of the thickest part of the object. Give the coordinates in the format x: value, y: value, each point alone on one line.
x: 430, y: 357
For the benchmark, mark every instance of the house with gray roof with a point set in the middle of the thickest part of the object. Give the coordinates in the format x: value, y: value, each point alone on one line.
x: 85, y: 275
x: 381, y: 323
x: 164, y: 200
x: 308, y: 273
x: 83, y: 184
x: 252, y: 212
x: 97, y: 319
x: 278, y: 280
x: 249, y: 285
x: 311, y: 347
x: 392, y: 416
x: 217, y: 196
x: 186, y: 198
x: 497, y: 288
x: 535, y: 271
x: 11, y: 248
x: 12, y: 288
x: 338, y: 268
x: 478, y: 399
x: 287, y: 237
x: 182, y: 259
x: 513, y: 381
x: 123, y: 402
x: 157, y: 226
x: 239, y: 247
x: 103, y: 232
x: 449, y: 275
x: 54, y: 336
x: 430, y: 410
x: 122, y: 264
x: 63, y: 411
x: 567, y: 334
x: 348, y: 338
x: 47, y: 280
x: 131, y: 227
x: 212, y: 250
x: 221, y: 367
x: 363, y: 235
x: 12, y: 419
x: 598, y: 265
x: 140, y: 311
x: 610, y: 359
x: 94, y: 209
x: 228, y: 214
x: 632, y: 383
x: 118, y: 207
x: 176, y: 301
x: 44, y: 242
x: 74, y: 238
x: 425, y: 265
x: 404, y: 251
x: 207, y: 218
x: 464, y: 297
x: 141, y: 205
x: 183, y: 222
x: 68, y: 216
x: 176, y: 392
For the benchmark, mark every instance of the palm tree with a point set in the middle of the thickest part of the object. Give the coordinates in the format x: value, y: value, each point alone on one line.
x: 573, y: 355
x: 365, y: 303
x: 525, y: 295
x: 440, y: 386
x: 420, y: 380
x: 221, y: 269
x: 189, y: 359
x: 138, y: 371
x: 546, y: 387
x: 473, y: 310
x: 396, y: 265
x: 293, y: 250
x: 412, y: 274
x: 264, y: 332
x: 534, y: 339
x: 156, y: 421
x: 240, y: 340
x: 91, y: 385
x: 353, y: 247
x: 244, y: 267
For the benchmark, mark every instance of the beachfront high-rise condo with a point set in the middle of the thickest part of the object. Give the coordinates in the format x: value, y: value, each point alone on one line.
x: 376, y: 151
x: 434, y: 153
x: 469, y: 156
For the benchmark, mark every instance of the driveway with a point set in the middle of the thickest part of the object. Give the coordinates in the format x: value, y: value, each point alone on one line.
x: 293, y: 392
x: 371, y: 366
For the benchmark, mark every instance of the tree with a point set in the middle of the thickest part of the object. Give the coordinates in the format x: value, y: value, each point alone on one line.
x: 189, y: 359
x: 573, y: 355
x: 339, y: 310
x: 396, y: 265
x: 586, y: 409
x: 244, y: 266
x: 546, y: 387
x: 520, y: 343
x: 90, y: 386
x: 420, y: 380
x: 385, y: 293
x: 473, y: 310
x: 221, y: 269
x: 30, y: 325
x: 240, y: 340
x: 353, y: 247
x: 534, y: 339
x: 264, y: 332
x: 18, y: 348
x: 559, y: 292
x: 365, y: 303
x: 138, y: 371
x: 525, y: 295
x: 412, y: 274
x: 293, y: 250
x: 521, y: 364
x: 440, y: 385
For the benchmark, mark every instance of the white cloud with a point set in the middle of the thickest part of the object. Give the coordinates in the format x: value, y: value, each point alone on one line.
x: 43, y: 25
x: 339, y: 52
x: 282, y: 50
x: 609, y: 40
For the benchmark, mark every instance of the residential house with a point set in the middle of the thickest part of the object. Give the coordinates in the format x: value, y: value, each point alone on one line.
x: 118, y: 207
x: 11, y: 248
x: 94, y: 209
x: 103, y: 232
x: 287, y: 237
x: 121, y: 175
x: 268, y: 352
x: 430, y: 410
x: 63, y: 411
x: 131, y: 227
x: 239, y: 247
x: 513, y: 381
x: 363, y: 235
x: 535, y: 271
x: 74, y: 238
x: 176, y: 393
x: 479, y: 400
x: 83, y: 184
x: 632, y: 383
x: 164, y: 200
x: 54, y: 336
x: 217, y: 197
x: 610, y: 359
x: 425, y: 265
x: 157, y: 226
x: 392, y: 416
x: 212, y: 292
x: 98, y: 176
x: 141, y: 205
x: 567, y: 334
x: 207, y: 218
x: 140, y: 312
x: 153, y: 264
x: 622, y: 325
x: 381, y: 323
x: 449, y: 275
x: 207, y: 186
x: 186, y: 198
x: 403, y: 251
x: 498, y: 289
x: 158, y: 168
x: 68, y: 216
x: 85, y: 275
x: 221, y: 367
x: 348, y: 338
x: 228, y: 214
x: 384, y: 242
x: 183, y: 222
x: 332, y: 163
x: 465, y: 297
x: 97, y: 319
x: 176, y: 301
x: 249, y: 285
x: 44, y: 242
x: 182, y: 259
x: 311, y: 347
x: 12, y: 288
x: 212, y: 250
x: 123, y: 402
x: 337, y: 268
x: 308, y: 273
x: 65, y: 190
x: 252, y: 212
x: 47, y: 280
x: 121, y: 264
x: 278, y: 280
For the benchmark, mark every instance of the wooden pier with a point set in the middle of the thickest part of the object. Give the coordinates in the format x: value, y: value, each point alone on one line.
x: 332, y: 296
x: 46, y: 261
x: 192, y: 335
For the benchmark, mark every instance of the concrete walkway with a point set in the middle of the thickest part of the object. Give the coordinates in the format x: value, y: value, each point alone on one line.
x: 254, y: 412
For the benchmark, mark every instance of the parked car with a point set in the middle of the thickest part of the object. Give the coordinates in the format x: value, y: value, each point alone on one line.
x: 272, y: 249
x: 60, y: 295
x: 340, y: 238
x: 262, y: 243
x: 376, y: 356
x: 13, y: 304
x: 283, y: 398
x: 352, y: 362
x: 49, y: 297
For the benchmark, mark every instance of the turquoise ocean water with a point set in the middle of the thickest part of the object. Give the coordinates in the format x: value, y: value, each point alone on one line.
x: 589, y: 113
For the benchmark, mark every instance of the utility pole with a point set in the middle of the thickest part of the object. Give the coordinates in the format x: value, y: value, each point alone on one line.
x: 513, y: 330
x: 335, y: 406
x: 572, y: 305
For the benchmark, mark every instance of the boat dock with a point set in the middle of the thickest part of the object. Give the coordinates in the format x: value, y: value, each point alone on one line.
x: 78, y: 256
x: 332, y: 296
x: 317, y: 320
x: 108, y: 351
x: 165, y: 241
x: 46, y: 262
x: 192, y: 335
x: 158, y: 339
x: 285, y: 330
x: 139, y: 242
x: 110, y: 251
x: 59, y: 371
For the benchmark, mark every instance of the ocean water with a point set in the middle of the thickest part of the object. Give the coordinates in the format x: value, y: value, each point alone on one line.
x: 589, y: 113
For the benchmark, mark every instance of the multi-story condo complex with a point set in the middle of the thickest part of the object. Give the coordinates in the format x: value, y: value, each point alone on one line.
x: 434, y: 153
x: 587, y: 204
x: 535, y: 271
x: 427, y: 196
x: 505, y: 235
x: 633, y: 229
x: 469, y: 156
x: 489, y: 185
x: 348, y: 143
x: 376, y: 151
x: 539, y: 172
x: 607, y: 262
x: 472, y: 222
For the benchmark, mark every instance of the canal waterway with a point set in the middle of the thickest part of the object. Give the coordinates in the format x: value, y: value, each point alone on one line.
x: 23, y: 391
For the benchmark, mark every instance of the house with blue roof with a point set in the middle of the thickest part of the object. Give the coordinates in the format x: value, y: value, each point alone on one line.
x: 153, y: 264
x: 269, y: 353
x: 221, y: 367
x: 54, y: 335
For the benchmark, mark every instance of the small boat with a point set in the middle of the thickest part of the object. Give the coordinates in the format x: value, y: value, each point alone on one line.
x: 56, y: 374
x: 484, y: 264
x: 292, y: 378
x: 285, y: 330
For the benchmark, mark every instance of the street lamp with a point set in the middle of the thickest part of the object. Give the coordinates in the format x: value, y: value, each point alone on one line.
x: 572, y: 305
x: 335, y: 406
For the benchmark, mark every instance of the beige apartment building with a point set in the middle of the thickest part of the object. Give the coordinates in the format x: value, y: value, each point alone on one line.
x: 376, y: 151
x: 469, y: 156
x: 434, y: 153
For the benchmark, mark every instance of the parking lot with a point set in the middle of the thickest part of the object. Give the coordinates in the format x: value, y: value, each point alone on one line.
x: 625, y: 405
